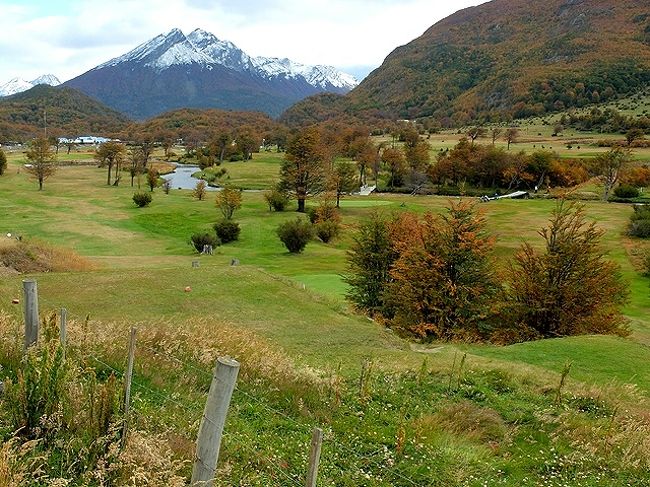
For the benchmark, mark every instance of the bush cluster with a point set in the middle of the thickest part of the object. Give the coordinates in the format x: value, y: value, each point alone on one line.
x: 626, y: 191
x: 227, y: 230
x: 142, y: 199
x: 277, y: 199
x: 199, y: 240
x: 295, y: 234
x: 640, y: 222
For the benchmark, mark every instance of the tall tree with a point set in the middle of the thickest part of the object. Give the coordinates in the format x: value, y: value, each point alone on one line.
x: 247, y: 143
x: 136, y: 159
x: 570, y: 288
x: 304, y: 170
x: 111, y: 154
x: 42, y: 160
x: 610, y: 166
x: 146, y: 150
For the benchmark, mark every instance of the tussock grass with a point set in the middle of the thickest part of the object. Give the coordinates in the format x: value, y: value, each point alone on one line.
x: 499, y: 426
x: 29, y: 256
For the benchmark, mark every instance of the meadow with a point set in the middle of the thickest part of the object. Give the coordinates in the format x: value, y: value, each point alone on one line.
x: 422, y: 419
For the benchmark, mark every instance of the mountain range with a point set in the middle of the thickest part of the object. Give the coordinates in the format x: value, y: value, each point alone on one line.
x: 18, y: 85
x: 173, y: 71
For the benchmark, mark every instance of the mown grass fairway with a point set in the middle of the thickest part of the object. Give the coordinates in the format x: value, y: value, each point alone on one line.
x: 493, y: 419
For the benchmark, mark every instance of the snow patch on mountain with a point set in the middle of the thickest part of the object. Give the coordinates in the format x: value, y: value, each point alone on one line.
x: 18, y: 85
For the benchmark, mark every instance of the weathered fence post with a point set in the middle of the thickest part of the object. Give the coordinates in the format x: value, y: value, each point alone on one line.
x: 127, y: 385
x: 62, y: 327
x: 30, y: 291
x: 214, y: 418
x: 314, y: 457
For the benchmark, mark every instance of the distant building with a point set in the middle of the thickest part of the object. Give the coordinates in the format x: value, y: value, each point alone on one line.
x: 85, y: 139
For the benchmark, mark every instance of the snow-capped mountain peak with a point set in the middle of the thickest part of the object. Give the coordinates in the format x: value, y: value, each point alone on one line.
x: 46, y: 79
x: 206, y: 49
x: 18, y: 85
x: 219, y: 51
x: 174, y: 70
x: 162, y: 52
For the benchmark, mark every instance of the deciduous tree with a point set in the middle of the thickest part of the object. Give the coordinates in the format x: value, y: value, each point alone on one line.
x: 42, y: 160
x: 511, y: 135
x: 343, y: 180
x: 228, y: 201
x: 570, y: 288
x: 396, y: 165
x: 610, y: 166
x: 111, y: 154
x: 443, y: 282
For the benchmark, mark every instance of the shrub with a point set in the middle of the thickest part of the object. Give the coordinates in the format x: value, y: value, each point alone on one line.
x: 640, y: 228
x: 142, y: 199
x: 295, y: 234
x: 311, y: 214
x: 199, y: 240
x: 626, y: 191
x: 227, y: 230
x: 646, y: 264
x: 327, y: 230
x: 276, y: 199
x: 326, y: 211
x: 640, y: 222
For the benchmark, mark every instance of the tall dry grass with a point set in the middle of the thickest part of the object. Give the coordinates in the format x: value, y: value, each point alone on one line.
x: 34, y: 256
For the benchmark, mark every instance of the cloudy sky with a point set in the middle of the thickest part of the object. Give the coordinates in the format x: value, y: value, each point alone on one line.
x: 68, y: 37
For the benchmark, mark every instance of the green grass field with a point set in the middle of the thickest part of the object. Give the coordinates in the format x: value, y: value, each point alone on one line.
x: 296, y: 304
x: 78, y: 211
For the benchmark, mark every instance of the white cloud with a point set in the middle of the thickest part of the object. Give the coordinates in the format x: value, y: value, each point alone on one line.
x: 80, y: 35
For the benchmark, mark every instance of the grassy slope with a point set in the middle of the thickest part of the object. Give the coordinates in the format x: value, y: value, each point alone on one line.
x: 146, y: 265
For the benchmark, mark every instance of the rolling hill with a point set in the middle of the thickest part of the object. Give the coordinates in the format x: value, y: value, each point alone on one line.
x: 69, y: 112
x: 510, y: 59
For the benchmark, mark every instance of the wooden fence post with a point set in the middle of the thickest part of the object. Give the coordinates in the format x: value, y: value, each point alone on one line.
x: 30, y: 291
x: 314, y: 457
x: 214, y: 418
x: 62, y: 327
x: 127, y: 386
